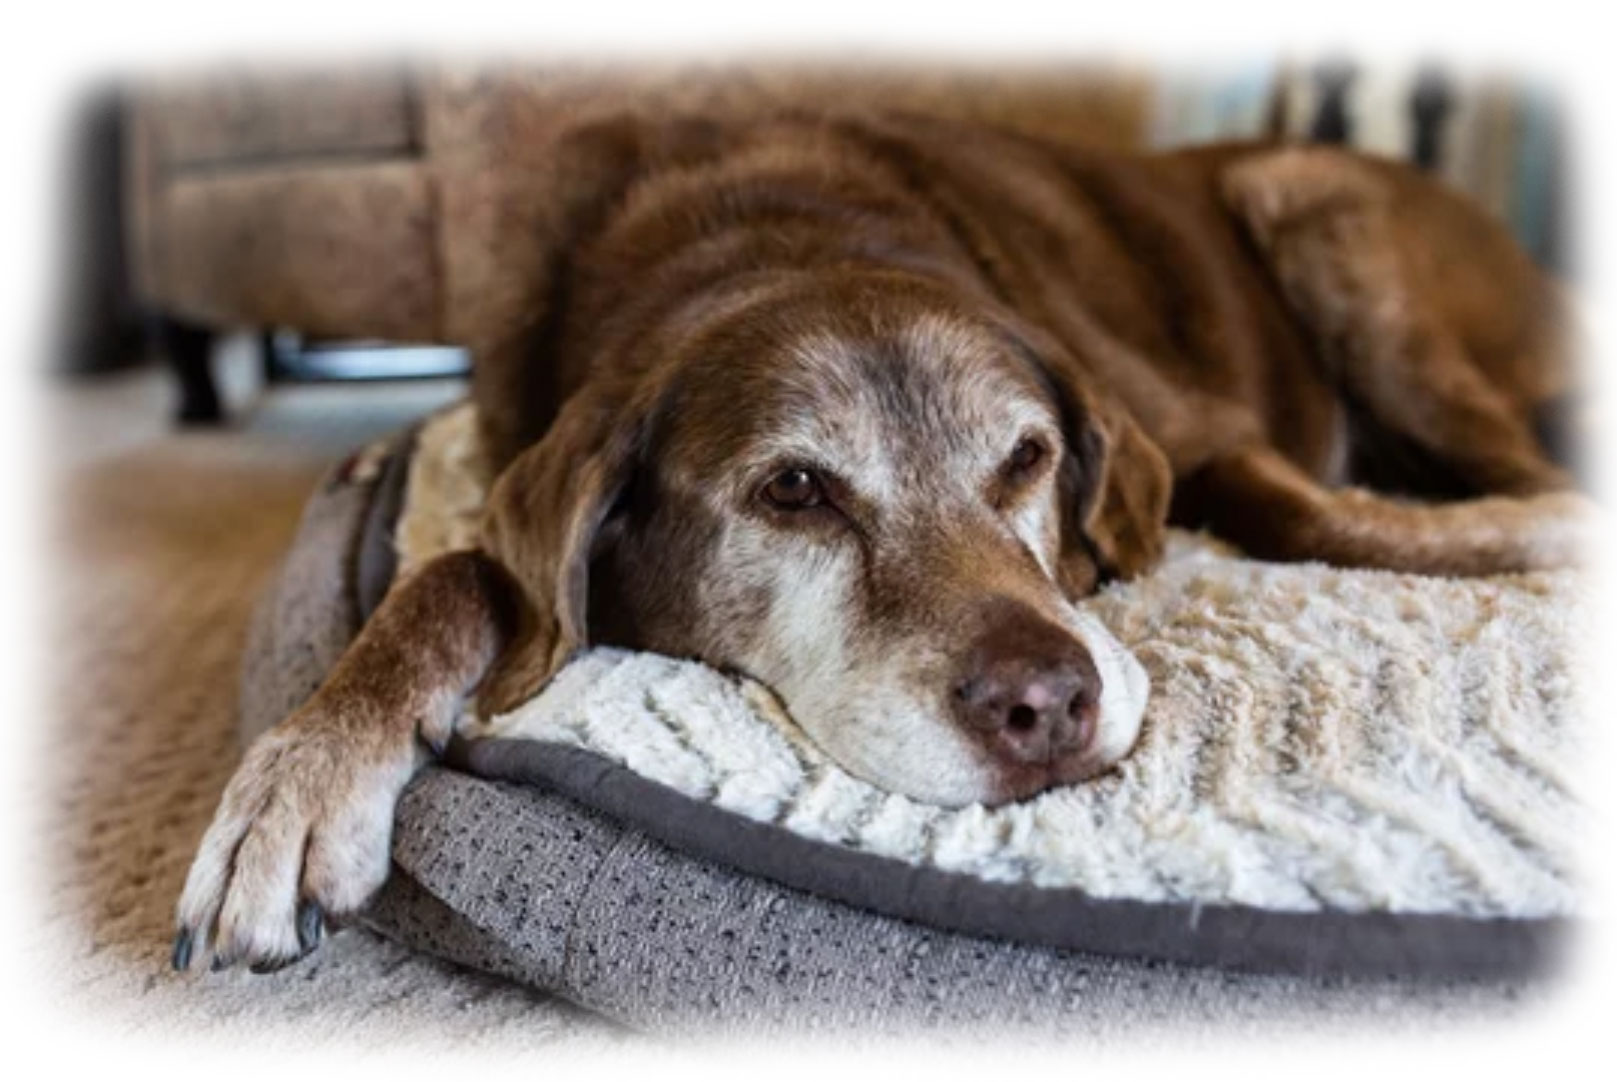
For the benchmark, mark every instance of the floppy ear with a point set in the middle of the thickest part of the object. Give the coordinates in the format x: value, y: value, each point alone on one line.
x: 1117, y: 517
x: 541, y: 523
x: 1115, y: 480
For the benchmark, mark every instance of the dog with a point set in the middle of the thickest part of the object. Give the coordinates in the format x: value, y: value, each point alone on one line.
x: 862, y: 406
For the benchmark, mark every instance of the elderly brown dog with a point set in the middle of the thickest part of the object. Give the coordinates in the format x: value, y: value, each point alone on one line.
x: 860, y: 407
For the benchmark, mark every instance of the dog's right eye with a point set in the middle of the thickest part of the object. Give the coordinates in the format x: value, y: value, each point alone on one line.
x: 1024, y: 456
x: 794, y: 490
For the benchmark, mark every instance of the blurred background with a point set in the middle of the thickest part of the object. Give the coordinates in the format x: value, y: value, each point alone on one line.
x: 261, y: 227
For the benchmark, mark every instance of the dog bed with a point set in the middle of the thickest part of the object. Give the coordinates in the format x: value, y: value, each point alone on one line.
x: 1352, y: 788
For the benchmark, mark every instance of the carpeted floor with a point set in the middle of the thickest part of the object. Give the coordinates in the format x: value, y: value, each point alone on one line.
x: 159, y: 541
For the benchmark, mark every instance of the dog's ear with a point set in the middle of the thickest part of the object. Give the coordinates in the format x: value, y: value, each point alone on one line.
x: 1115, y: 481
x: 541, y: 523
x: 1119, y: 484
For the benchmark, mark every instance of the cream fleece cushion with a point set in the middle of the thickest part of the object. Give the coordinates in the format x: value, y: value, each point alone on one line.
x: 1316, y: 738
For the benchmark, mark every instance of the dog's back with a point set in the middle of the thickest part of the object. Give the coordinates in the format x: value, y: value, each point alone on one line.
x: 1148, y: 268
x: 1122, y: 258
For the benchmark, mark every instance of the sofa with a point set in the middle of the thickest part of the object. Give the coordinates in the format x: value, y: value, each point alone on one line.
x: 363, y: 203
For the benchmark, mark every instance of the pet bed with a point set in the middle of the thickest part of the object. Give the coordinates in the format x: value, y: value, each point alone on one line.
x: 1353, y: 789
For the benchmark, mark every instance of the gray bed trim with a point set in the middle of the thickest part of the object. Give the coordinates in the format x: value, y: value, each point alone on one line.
x: 1369, y: 944
x: 533, y: 885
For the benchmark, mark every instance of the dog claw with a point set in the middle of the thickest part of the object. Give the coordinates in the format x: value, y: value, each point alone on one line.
x: 221, y: 962
x: 271, y: 965
x: 180, y: 958
x: 311, y: 926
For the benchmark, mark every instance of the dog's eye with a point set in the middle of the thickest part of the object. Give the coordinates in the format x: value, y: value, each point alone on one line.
x: 794, y: 490
x: 1024, y: 456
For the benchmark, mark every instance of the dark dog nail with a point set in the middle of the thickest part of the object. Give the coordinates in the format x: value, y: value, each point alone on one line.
x: 180, y: 959
x: 221, y: 961
x: 311, y: 925
x: 270, y: 965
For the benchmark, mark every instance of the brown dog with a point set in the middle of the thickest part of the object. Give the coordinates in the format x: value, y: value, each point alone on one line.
x: 861, y: 407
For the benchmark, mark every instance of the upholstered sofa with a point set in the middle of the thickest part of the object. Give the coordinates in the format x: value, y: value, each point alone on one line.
x: 355, y: 203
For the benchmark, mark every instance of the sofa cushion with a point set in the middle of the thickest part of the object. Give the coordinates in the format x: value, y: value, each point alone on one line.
x: 343, y: 250
x: 241, y: 117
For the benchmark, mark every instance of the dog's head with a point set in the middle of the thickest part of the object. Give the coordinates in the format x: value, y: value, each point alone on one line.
x: 876, y: 498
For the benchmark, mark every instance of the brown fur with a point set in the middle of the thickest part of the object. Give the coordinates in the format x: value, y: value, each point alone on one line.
x: 1204, y: 308
x: 1219, y: 337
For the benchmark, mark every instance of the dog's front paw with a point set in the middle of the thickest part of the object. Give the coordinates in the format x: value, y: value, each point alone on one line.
x: 301, y: 835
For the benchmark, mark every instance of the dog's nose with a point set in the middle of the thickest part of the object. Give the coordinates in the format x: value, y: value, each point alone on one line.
x: 1030, y: 692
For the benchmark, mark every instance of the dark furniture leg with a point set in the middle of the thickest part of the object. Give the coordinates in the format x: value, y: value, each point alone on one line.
x: 1429, y: 110
x: 189, y: 348
x: 1332, y: 121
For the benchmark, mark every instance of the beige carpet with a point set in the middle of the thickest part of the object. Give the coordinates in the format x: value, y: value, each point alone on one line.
x: 160, y: 541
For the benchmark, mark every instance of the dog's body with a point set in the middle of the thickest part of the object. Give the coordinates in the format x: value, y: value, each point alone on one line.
x: 861, y: 407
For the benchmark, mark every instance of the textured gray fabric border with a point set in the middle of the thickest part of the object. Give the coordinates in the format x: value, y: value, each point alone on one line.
x: 537, y: 887
x: 634, y: 900
x: 1369, y: 944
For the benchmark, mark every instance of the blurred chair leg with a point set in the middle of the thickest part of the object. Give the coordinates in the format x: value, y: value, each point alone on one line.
x: 268, y: 359
x: 1333, y: 122
x: 189, y: 349
x: 1428, y: 114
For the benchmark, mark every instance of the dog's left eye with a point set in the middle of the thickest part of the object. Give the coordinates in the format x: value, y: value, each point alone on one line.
x: 794, y: 490
x: 1025, y: 455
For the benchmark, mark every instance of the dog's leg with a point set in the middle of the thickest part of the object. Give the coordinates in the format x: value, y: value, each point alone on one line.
x: 1257, y: 499
x: 1324, y: 224
x: 304, y: 827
